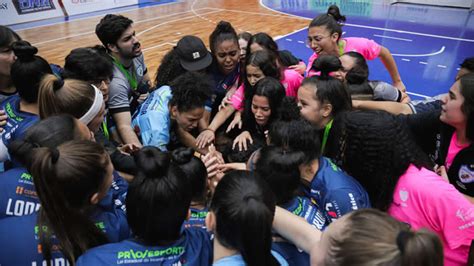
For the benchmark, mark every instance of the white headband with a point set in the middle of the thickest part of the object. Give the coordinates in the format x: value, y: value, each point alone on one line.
x: 95, y: 108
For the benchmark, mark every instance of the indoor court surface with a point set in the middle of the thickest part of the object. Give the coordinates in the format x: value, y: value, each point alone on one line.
x: 427, y: 42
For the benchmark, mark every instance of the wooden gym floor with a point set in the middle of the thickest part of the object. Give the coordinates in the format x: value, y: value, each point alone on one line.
x: 160, y: 27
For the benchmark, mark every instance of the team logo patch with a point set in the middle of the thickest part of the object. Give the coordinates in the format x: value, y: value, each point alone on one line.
x: 403, y: 195
x: 140, y: 71
x: 196, y: 55
x: 466, y: 174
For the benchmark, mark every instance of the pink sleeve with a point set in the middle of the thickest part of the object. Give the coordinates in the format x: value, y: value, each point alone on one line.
x: 424, y: 200
x: 291, y: 82
x: 310, y: 72
x: 368, y: 48
x: 427, y: 200
x: 237, y: 98
x: 455, y: 214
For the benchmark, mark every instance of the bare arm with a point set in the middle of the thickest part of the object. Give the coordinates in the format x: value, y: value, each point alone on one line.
x: 123, y: 120
x: 391, y: 66
x: 391, y: 107
x: 208, y: 134
x: 189, y: 141
x: 295, y: 229
x: 221, y: 117
x: 204, y: 121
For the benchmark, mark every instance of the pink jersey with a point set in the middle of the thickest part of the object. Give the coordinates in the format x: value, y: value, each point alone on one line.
x: 453, y: 150
x: 425, y: 200
x: 369, y: 49
x: 291, y: 81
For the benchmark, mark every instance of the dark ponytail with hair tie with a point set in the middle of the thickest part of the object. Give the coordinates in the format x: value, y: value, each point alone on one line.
x: 54, y: 155
x: 58, y: 84
x: 332, y: 21
x: 334, y: 12
x: 402, y: 238
x: 24, y: 51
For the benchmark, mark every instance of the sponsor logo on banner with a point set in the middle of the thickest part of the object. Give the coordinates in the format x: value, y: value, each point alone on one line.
x: 31, y: 6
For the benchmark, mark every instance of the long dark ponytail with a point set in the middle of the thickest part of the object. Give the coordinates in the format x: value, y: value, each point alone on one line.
x: 65, y: 179
x: 244, y: 207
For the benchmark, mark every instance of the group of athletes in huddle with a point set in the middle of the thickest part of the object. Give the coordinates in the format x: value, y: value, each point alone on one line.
x: 241, y: 155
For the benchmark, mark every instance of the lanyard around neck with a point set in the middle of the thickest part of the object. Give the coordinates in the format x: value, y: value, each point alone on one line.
x: 341, y: 46
x: 105, y: 129
x: 132, y: 80
x: 327, y: 128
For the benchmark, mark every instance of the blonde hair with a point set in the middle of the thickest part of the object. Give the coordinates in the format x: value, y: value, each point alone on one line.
x: 69, y: 96
x: 372, y: 237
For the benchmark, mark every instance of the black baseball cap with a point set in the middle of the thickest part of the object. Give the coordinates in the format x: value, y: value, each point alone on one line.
x: 193, y: 54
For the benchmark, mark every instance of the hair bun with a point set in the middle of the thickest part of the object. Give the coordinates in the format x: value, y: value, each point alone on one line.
x: 225, y: 27
x: 326, y: 64
x: 334, y: 12
x: 182, y: 155
x: 24, y: 51
x: 151, y: 162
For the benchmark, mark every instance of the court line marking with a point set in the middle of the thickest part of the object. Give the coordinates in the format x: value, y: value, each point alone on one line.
x: 379, y: 28
x: 159, y: 45
x: 390, y: 37
x: 94, y: 16
x: 179, y: 19
x: 419, y: 95
x: 261, y: 14
x: 276, y: 38
x: 199, y: 15
x: 90, y: 32
x: 422, y: 55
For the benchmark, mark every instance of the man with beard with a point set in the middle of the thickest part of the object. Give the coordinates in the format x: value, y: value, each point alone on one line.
x: 130, y: 81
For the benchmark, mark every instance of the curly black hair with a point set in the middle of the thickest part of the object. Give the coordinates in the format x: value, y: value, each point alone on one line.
x: 376, y: 149
x: 169, y: 69
x: 190, y: 90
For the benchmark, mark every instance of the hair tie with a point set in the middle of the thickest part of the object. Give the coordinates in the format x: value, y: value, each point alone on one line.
x: 54, y: 155
x: 58, y: 84
x: 402, y: 239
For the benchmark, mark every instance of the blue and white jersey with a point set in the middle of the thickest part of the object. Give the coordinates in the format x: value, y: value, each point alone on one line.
x: 17, y: 124
x: 152, y: 119
x: 303, y: 207
x: 193, y: 248
x: 19, y: 236
x: 334, y: 192
x: 19, y: 239
x: 17, y: 193
x: 197, y: 218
